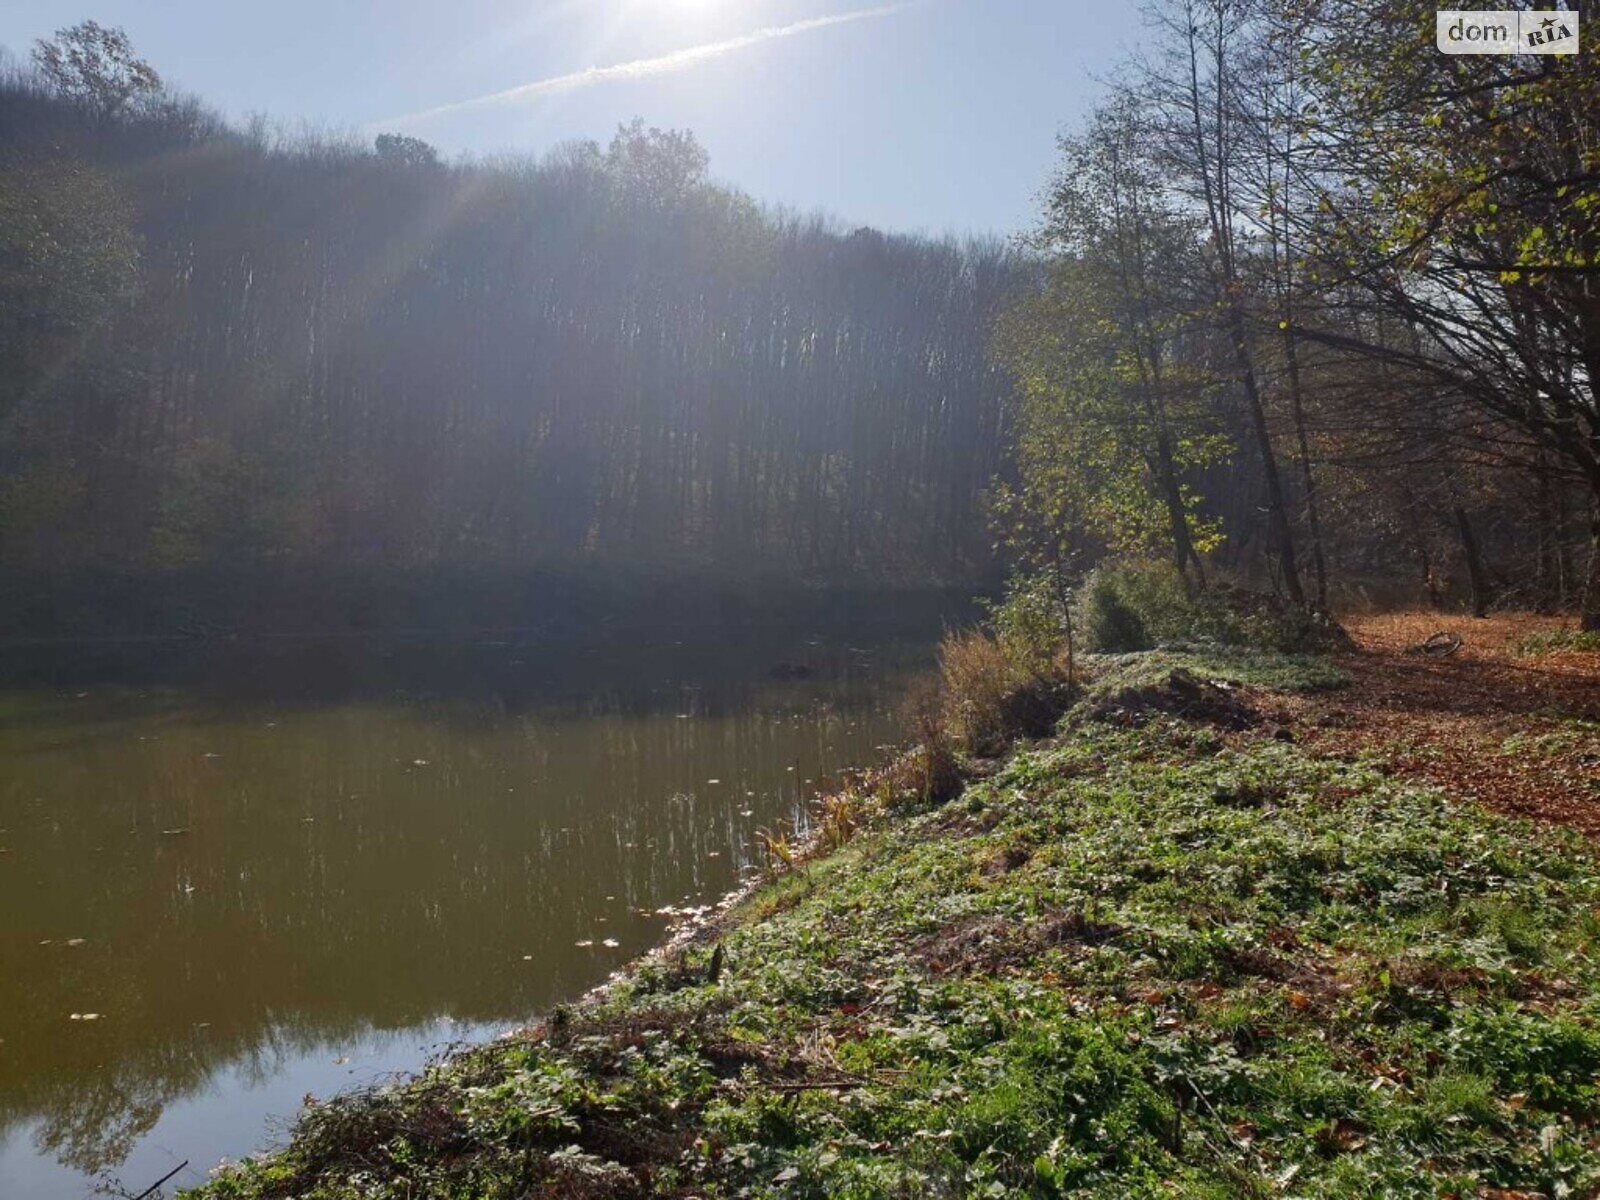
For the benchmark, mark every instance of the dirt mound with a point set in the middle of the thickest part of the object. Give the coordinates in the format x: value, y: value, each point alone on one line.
x: 1181, y: 694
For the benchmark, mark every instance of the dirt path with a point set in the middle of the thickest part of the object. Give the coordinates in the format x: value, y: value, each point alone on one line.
x: 1517, y: 733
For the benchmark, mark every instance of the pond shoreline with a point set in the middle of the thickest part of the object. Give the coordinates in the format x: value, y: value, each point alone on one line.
x: 1135, y: 956
x: 279, y: 869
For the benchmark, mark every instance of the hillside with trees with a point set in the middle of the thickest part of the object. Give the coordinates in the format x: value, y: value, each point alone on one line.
x: 1290, y: 245
x: 229, y: 351
x: 1300, y: 306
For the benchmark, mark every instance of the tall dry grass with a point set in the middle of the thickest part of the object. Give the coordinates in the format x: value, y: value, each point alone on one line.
x: 989, y: 696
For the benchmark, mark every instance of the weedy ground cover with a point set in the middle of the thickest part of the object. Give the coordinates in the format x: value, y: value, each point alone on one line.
x: 1556, y: 642
x: 1149, y: 959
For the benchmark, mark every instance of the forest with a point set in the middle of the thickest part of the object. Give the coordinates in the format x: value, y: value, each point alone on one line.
x: 230, y: 353
x: 1310, y: 291
x: 1299, y: 305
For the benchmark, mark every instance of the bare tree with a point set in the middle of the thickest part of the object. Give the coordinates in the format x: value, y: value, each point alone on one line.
x: 96, y: 67
x: 1188, y: 94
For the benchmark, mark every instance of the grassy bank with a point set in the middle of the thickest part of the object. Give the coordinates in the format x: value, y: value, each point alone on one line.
x: 1144, y: 957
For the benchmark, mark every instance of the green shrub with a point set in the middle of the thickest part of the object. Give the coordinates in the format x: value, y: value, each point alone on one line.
x: 1555, y: 641
x: 1113, y: 626
x: 1272, y: 627
x: 1030, y: 623
x: 1129, y: 604
x: 1134, y: 604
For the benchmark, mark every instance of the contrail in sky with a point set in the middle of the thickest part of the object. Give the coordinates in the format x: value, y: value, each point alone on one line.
x: 643, y: 68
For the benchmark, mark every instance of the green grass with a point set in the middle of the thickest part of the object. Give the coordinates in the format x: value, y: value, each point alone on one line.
x: 1132, y: 963
x: 1555, y: 642
x: 1274, y: 672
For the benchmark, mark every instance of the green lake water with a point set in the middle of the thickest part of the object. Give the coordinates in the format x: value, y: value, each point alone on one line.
x: 232, y: 875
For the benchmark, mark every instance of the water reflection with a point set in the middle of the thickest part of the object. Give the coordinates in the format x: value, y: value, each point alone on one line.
x: 221, y: 877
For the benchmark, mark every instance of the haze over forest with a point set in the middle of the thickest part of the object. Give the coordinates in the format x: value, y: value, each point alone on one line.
x: 235, y: 353
x: 295, y: 352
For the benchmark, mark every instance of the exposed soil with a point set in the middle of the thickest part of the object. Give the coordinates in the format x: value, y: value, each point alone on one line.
x: 1515, y: 733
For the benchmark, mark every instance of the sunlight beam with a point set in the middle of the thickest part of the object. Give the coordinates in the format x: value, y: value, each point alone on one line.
x: 641, y: 68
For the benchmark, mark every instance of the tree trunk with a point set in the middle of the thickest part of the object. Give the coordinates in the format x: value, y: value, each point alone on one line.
x: 1220, y: 213
x: 1319, y: 564
x: 1549, y: 538
x: 1419, y: 541
x: 1475, y: 573
x: 1183, y: 550
x: 1064, y: 599
x: 1589, y: 323
x: 1563, y: 550
x: 1590, y: 620
x: 1277, y: 514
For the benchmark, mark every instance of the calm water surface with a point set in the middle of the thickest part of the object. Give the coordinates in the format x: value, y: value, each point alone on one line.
x: 257, y: 872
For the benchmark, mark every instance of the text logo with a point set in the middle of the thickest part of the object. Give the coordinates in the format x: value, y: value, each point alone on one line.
x: 1545, y: 32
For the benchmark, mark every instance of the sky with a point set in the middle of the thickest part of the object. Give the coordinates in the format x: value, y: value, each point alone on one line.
x: 932, y: 116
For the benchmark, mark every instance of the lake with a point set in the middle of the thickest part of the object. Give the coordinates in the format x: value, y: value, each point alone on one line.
x: 232, y: 875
